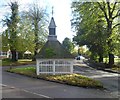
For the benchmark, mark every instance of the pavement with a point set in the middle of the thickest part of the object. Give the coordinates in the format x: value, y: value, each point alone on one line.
x: 19, y: 86
x: 100, y: 67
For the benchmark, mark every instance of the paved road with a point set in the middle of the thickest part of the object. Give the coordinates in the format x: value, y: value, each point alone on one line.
x: 18, y: 86
x: 109, y: 80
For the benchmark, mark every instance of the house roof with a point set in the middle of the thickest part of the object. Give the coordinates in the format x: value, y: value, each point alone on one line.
x: 54, y: 50
x: 27, y: 52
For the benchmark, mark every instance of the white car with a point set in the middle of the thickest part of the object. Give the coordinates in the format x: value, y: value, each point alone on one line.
x: 80, y: 58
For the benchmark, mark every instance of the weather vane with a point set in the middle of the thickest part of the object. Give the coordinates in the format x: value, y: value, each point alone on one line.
x: 52, y: 10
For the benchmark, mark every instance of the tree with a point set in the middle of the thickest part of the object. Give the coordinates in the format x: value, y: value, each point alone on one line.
x: 38, y: 19
x: 28, y: 30
x: 68, y: 44
x: 92, y: 29
x: 25, y: 36
x: 12, y: 23
x: 81, y: 50
x: 5, y: 41
x: 110, y: 11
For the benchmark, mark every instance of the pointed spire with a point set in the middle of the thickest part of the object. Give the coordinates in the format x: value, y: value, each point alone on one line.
x: 52, y: 23
x: 52, y: 29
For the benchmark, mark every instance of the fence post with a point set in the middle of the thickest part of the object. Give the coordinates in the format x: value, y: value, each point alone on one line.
x: 53, y: 67
x: 71, y: 67
x: 37, y: 66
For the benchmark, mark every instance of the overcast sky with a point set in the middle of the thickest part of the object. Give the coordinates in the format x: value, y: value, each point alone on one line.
x: 62, y: 14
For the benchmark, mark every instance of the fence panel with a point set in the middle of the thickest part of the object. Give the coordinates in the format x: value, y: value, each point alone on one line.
x: 59, y: 66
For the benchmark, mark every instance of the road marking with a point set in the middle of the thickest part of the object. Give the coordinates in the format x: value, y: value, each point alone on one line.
x: 3, y: 85
x: 26, y: 91
x: 36, y: 94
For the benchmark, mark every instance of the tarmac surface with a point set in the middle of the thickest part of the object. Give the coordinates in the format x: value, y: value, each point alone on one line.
x: 109, y: 80
x: 19, y: 86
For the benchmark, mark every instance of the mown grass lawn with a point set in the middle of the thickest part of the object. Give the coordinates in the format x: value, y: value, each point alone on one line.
x: 70, y: 79
x: 8, y: 62
x: 116, y: 60
x: 116, y: 66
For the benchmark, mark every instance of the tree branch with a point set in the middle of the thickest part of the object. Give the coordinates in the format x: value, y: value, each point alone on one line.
x: 102, y: 8
x: 117, y: 14
x: 109, y: 13
x: 114, y: 7
x: 116, y: 26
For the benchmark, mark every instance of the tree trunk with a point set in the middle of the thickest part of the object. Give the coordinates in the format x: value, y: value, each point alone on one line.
x: 100, y: 58
x: 36, y: 40
x: 111, y: 59
x: 35, y: 52
x: 14, y: 55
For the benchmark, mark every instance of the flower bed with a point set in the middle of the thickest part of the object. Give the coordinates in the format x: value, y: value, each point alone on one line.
x: 70, y: 79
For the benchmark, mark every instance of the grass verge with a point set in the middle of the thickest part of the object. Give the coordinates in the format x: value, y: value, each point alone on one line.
x: 8, y: 62
x: 70, y: 79
x: 116, y: 68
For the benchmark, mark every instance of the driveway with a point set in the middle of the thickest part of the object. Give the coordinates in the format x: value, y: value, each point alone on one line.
x: 19, y: 86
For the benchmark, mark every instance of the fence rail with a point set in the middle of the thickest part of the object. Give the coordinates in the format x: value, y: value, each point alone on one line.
x: 54, y: 66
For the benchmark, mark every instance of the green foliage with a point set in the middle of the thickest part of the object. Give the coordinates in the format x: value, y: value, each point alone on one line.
x: 5, y: 41
x: 26, y: 35
x: 49, y: 52
x: 90, y: 31
x: 70, y: 79
x: 92, y: 21
x: 25, y: 30
x: 81, y: 50
x: 75, y: 53
x: 37, y: 16
x: 12, y: 25
x: 88, y: 53
x: 10, y: 35
x: 68, y: 45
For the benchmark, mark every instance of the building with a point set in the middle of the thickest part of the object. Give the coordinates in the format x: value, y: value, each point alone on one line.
x: 53, y: 58
x: 5, y: 54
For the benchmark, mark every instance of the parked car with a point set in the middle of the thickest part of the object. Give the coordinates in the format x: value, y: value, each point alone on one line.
x: 79, y: 58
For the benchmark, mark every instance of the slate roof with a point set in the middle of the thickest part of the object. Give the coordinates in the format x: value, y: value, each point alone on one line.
x: 52, y: 23
x: 54, y: 50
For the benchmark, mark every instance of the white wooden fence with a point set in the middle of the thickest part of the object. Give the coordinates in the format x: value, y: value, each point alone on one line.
x: 54, y: 66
